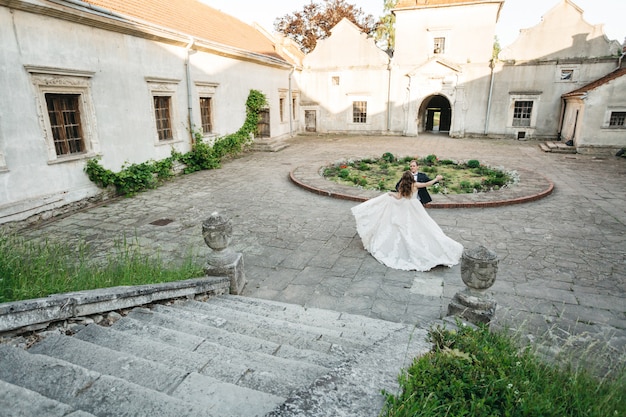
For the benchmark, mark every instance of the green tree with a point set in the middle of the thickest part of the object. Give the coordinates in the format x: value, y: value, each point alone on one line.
x: 385, y: 33
x: 315, y: 21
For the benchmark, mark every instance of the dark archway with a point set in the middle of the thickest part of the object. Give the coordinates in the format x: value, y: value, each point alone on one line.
x: 435, y: 114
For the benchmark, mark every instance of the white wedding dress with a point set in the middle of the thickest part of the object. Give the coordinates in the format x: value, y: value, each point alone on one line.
x: 400, y: 234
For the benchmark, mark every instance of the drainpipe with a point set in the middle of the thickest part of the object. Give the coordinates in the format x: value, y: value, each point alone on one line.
x: 189, y: 100
x: 291, y: 103
x: 389, y: 96
x: 491, y: 65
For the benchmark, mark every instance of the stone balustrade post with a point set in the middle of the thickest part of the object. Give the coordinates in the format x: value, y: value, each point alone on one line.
x: 217, y: 232
x: 479, y: 267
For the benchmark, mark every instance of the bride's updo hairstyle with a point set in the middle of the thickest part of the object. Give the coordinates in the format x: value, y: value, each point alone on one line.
x: 406, y: 184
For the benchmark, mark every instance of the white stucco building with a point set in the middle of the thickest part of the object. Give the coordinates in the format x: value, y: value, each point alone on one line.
x: 128, y: 81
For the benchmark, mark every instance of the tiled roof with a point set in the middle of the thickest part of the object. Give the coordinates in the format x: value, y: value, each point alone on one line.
x: 196, y: 19
x: 426, y: 3
x: 597, y: 83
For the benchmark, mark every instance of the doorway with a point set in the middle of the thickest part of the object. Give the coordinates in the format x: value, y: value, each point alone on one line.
x: 310, y: 121
x: 435, y: 115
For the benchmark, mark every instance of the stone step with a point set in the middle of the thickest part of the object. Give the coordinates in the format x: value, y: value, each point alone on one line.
x: 350, y: 325
x: 283, y: 334
x: 86, y: 390
x: 143, y: 321
x: 260, y: 372
x: 16, y: 401
x: 159, y: 377
x: 228, y: 356
x: 557, y: 147
x: 245, y: 322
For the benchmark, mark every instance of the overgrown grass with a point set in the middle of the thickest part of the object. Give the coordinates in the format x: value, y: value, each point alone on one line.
x: 30, y: 269
x: 478, y: 373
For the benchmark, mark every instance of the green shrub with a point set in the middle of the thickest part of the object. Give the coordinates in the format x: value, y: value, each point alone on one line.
x: 388, y: 156
x: 473, y: 163
x: 478, y: 373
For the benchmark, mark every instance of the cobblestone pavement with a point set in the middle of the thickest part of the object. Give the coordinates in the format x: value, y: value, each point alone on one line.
x: 562, y: 268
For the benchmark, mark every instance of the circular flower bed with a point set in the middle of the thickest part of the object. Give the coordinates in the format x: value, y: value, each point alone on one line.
x: 383, y: 173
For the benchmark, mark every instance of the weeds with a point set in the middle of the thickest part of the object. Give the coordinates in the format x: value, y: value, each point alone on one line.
x: 475, y: 372
x: 31, y: 269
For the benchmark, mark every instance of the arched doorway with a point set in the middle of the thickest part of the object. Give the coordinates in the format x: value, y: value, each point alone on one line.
x: 435, y: 114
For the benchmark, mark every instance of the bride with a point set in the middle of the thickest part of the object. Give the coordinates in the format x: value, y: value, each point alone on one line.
x: 396, y: 229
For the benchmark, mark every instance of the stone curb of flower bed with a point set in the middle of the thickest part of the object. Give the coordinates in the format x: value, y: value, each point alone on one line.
x: 530, y: 187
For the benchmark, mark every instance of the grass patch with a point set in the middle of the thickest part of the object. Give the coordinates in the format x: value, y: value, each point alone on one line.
x: 32, y: 269
x: 383, y: 173
x: 478, y: 373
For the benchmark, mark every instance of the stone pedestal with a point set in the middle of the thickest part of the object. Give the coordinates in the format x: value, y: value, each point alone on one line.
x: 478, y: 271
x: 217, y: 232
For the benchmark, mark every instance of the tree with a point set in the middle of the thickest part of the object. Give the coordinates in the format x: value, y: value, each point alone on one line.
x: 315, y: 21
x: 385, y: 33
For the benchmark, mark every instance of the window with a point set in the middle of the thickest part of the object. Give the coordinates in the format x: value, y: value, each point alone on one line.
x: 164, y: 105
x: 64, y: 116
x: 293, y: 108
x: 618, y: 119
x: 567, y: 75
x: 281, y: 108
x: 335, y: 80
x: 359, y: 112
x: 439, y: 45
x: 206, y: 93
x: 522, y: 112
x: 163, y: 117
x: 205, y: 114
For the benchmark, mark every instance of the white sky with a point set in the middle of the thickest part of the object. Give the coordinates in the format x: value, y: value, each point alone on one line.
x: 515, y: 14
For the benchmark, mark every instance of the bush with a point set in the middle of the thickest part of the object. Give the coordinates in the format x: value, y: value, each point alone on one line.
x: 478, y: 373
x: 473, y: 163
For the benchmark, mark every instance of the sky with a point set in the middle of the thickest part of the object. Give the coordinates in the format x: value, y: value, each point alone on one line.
x: 515, y: 14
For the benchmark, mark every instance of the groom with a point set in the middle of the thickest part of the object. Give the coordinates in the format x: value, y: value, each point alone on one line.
x: 422, y: 193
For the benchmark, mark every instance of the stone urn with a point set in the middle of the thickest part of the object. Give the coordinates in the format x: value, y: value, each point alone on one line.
x: 479, y: 267
x: 217, y: 232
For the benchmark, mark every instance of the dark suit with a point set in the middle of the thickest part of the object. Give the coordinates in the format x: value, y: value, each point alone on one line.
x: 422, y: 193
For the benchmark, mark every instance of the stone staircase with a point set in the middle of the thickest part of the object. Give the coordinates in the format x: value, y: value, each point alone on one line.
x: 226, y: 356
x: 557, y: 147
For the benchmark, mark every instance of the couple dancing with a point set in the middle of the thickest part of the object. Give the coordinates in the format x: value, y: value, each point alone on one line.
x: 396, y: 229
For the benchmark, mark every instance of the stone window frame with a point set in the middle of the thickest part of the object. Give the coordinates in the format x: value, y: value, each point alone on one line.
x: 433, y: 35
x: 164, y: 87
x: 562, y: 71
x: 294, y: 105
x: 608, y: 114
x: 282, y: 102
x: 52, y: 80
x: 514, y: 97
x: 207, y: 90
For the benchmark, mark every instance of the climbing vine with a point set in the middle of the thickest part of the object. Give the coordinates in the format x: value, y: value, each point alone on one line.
x: 133, y: 178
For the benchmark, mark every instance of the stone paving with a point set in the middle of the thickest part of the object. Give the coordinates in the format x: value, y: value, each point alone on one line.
x: 562, y: 269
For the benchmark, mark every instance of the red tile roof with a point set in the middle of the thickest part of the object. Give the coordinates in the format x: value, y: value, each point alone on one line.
x: 427, y: 3
x: 597, y: 83
x: 196, y: 19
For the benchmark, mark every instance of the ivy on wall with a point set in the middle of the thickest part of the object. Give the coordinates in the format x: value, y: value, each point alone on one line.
x: 133, y: 178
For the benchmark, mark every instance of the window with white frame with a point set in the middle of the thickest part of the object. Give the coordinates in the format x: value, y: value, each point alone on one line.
x: 206, y: 93
x: 164, y: 108
x: 65, y: 112
x: 523, y: 108
x: 567, y: 73
x: 359, y: 112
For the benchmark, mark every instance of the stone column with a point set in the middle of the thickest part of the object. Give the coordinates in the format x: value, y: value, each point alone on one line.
x: 478, y: 271
x: 217, y: 232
